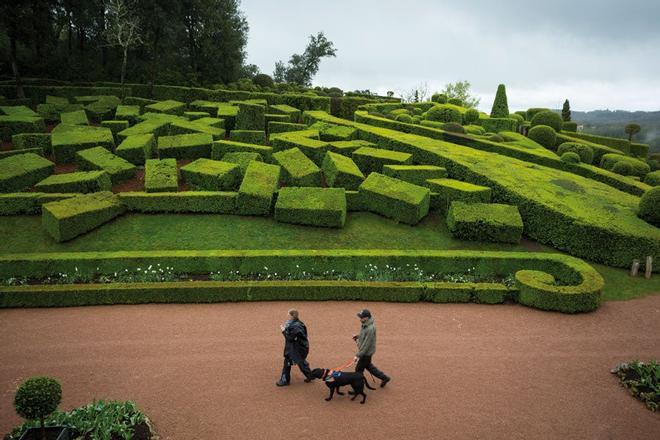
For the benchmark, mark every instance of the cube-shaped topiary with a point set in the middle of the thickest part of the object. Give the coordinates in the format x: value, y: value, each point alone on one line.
x: 196, y: 115
x: 99, y: 158
x: 24, y: 141
x: 348, y: 147
x: 450, y: 190
x: 185, y: 146
x: 311, y: 206
x: 490, y: 222
x: 77, y: 117
x: 76, y: 182
x: 250, y: 116
x: 115, y: 127
x: 298, y: 169
x: 333, y: 132
x: 283, y: 127
x: 137, y: 148
x: 248, y: 136
x: 180, y: 126
x: 292, y: 112
x: 341, y: 172
x: 130, y: 113
x: 242, y: 159
x: 70, y: 218
x: 22, y: 171
x: 14, y: 124
x: 311, y: 147
x: 68, y: 139
x: 416, y: 174
x: 395, y: 198
x: 220, y: 148
x: 228, y: 113
x: 215, y: 202
x: 149, y: 126
x: 211, y: 175
x: 160, y: 175
x: 169, y: 106
x: 372, y: 160
x: 255, y: 194
x: 211, y: 122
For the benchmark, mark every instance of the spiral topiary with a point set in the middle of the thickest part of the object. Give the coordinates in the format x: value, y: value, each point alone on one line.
x: 652, y: 178
x: 444, y: 114
x: 453, y: 127
x: 623, y: 168
x: 570, y: 157
x: 37, y: 398
x: 649, y: 206
x: 543, y: 135
x: 404, y: 117
x: 585, y: 152
x: 551, y: 119
x: 471, y: 116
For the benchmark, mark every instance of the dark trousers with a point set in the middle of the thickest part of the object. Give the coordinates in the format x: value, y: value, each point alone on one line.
x: 286, y: 369
x: 364, y: 363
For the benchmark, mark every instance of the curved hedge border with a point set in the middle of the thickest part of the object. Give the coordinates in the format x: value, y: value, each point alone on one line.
x: 579, y: 292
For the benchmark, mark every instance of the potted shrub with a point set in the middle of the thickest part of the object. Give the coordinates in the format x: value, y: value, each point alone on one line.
x: 36, y: 399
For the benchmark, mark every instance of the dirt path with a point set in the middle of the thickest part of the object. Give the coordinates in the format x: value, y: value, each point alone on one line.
x: 460, y: 371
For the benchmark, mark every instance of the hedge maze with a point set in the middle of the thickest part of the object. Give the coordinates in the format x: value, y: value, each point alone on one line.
x: 91, y: 154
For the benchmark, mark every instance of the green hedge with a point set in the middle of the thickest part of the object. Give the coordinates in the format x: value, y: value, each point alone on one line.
x: 69, y: 218
x: 450, y: 190
x: 371, y: 160
x: 137, y: 148
x: 28, y: 203
x: 21, y: 171
x: 341, y: 172
x: 444, y: 113
x: 543, y: 135
x: 15, y: 124
x: 347, y: 148
x: 539, y: 290
x: 307, y: 141
x: 211, y: 202
x: 242, y: 159
x: 584, y: 152
x: 250, y: 117
x: 283, y: 127
x: 77, y: 182
x: 24, y: 141
x: 415, y: 174
x: 396, y: 199
x: 622, y: 145
x: 130, y: 113
x: 170, y: 107
x: 283, y: 109
x: 599, y: 150
x: 181, y: 126
x: 324, y: 207
x: 196, y: 115
x: 255, y: 195
x: 69, y: 139
x: 160, y: 175
x: 157, y: 127
x: 211, y: 175
x: 638, y: 167
x: 185, y: 146
x: 579, y: 289
x: 211, y: 122
x: 248, y: 136
x: 649, y: 206
x: 220, y: 148
x: 639, y: 150
x: 115, y: 127
x: 495, y: 125
x: 652, y: 178
x: 297, y: 169
x: 332, y: 132
x: 99, y: 158
x: 569, y: 126
x: 548, y: 118
x: 491, y: 222
x: 76, y: 117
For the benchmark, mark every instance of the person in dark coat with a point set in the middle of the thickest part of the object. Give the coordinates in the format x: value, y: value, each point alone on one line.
x: 296, y: 349
x: 366, y: 344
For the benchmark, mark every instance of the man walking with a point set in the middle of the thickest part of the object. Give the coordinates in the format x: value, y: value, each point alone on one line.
x: 296, y: 348
x: 366, y: 343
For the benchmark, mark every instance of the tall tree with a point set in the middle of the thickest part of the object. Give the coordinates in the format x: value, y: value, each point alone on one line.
x: 461, y: 90
x: 12, y: 15
x: 631, y: 130
x: 500, y: 105
x: 303, y: 67
x: 123, y: 29
x: 566, y: 111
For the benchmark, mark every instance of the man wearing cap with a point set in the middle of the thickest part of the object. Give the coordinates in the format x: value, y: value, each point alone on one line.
x: 296, y: 348
x: 366, y: 343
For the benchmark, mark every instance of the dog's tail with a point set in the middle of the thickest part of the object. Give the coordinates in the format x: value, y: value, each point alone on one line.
x: 366, y: 383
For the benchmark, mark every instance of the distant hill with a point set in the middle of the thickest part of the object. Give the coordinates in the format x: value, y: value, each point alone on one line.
x: 611, y: 123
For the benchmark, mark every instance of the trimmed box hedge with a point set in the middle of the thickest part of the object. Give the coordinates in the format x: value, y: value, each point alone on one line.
x: 99, y: 158
x: 324, y: 207
x: 229, y: 114
x: 130, y: 113
x: 211, y: 202
x: 450, y: 190
x: 305, y: 141
x: 21, y: 171
x: 333, y: 133
x: 396, y: 199
x: 495, y: 125
x: 77, y: 117
x: 24, y: 141
x: 115, y: 127
x: 341, y: 172
x: 371, y: 160
x: 416, y: 174
x: 242, y: 159
x: 69, y: 218
x: 196, y: 115
x: 348, y: 147
x: 211, y: 122
x: 77, y: 182
x: 298, y: 169
x: 248, y: 136
x: 189, y: 127
x: 491, y: 222
x: 69, y: 139
x: 161, y: 175
x: 157, y: 127
x: 8, y: 153
x: 283, y: 109
x: 275, y: 127
x: 170, y: 107
x: 185, y: 146
x: 137, y: 148
x: 255, y: 195
x: 250, y: 116
x: 211, y: 175
x: 15, y: 124
x: 28, y: 203
x: 220, y: 148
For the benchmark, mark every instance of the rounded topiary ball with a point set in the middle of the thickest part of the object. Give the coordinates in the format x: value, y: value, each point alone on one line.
x: 551, y: 119
x: 569, y: 126
x: 418, y: 111
x: 37, y: 398
x: 453, y: 127
x: 570, y: 157
x: 517, y: 117
x: 653, y: 164
x: 440, y: 98
x: 444, y: 114
x: 471, y: 116
x: 404, y: 118
x: 585, y: 152
x: 652, y: 178
x: 624, y: 168
x: 264, y: 80
x: 495, y: 138
x: 416, y: 119
x: 455, y: 101
x: 543, y: 135
x: 649, y: 206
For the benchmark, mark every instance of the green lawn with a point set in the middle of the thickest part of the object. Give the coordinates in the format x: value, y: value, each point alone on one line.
x: 198, y: 231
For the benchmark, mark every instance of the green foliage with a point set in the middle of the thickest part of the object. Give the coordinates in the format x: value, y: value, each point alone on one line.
x: 404, y: 118
x: 495, y: 138
x: 415, y: 174
x: 341, y: 172
x: 263, y: 80
x: 450, y: 190
x: 32, y: 140
x: 623, y: 168
x: 635, y: 167
x: 649, y: 206
x: 99, y: 158
x: 27, y: 202
x: 533, y: 111
x: 68, y: 139
x: 566, y: 112
x: 248, y: 136
x: 653, y: 178
x: 169, y: 106
x: 15, y: 124
x: 643, y: 381
x: 160, y: 175
x: 639, y: 150
x: 137, y: 148
x: 440, y: 98
x: 332, y: 132
x: 500, y: 104
x: 549, y: 118
x: 396, y: 199
x: 242, y: 159
x: 220, y: 148
x: 292, y: 112
x: 443, y: 113
x: 77, y: 182
x: 250, y: 116
x: 255, y: 194
x: 37, y: 398
x: 22, y: 171
x: 77, y: 117
x: 130, y: 113
x: 453, y: 127
x: 570, y: 157
x: 569, y: 126
x: 485, y: 222
x: 460, y: 90
x: 622, y: 145
x: 471, y: 116
x: 543, y: 135
x: 283, y: 127
x: 210, y: 202
x: 496, y: 125
x: 324, y: 207
x: 185, y: 146
x: 303, y: 67
x: 631, y: 130
x: 211, y: 175
x: 455, y: 101
x: 585, y: 152
x: 371, y: 160
x: 540, y: 290
x: 297, y: 169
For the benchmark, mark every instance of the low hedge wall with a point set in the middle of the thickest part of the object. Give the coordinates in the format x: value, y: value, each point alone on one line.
x: 98, y: 158
x: 161, y: 175
x: 22, y: 171
x: 297, y: 169
x: 325, y: 207
x: 213, y: 202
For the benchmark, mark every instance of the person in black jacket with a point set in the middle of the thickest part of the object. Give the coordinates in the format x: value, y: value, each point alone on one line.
x: 296, y: 348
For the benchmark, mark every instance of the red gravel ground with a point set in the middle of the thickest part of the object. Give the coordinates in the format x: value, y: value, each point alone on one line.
x: 460, y: 371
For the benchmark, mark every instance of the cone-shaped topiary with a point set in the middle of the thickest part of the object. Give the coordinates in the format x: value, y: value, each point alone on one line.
x: 649, y: 206
x: 566, y: 111
x: 37, y: 398
x: 500, y: 105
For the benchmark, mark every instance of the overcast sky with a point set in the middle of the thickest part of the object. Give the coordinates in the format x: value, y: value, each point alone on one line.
x: 598, y: 54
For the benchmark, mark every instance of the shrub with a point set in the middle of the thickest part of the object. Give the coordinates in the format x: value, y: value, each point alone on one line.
x: 306, y: 141
x: 298, y: 169
x: 441, y: 113
x: 160, y: 175
x: 185, y: 146
x: 570, y: 157
x: 69, y: 139
x: 496, y: 125
x: 500, y: 105
x: 405, y: 118
x: 136, y: 149
x: 27, y: 203
x: 639, y: 150
x: 623, y: 168
x: 333, y: 133
x: 78, y: 182
x: 474, y: 129
x: 242, y: 159
x: 211, y: 175
x: 485, y: 222
x: 255, y: 194
x: 639, y: 168
x: 415, y: 174
x: 311, y: 206
x: 250, y: 116
x: 24, y: 141
x: 585, y: 152
x: 549, y: 118
x: 99, y: 158
x: 220, y: 148
x: 471, y: 116
x: 37, y: 398
x: 263, y: 80
x: 284, y: 127
x: 533, y: 111
x: 654, y: 165
x: 130, y: 113
x: 450, y: 190
x: 292, y: 112
x: 440, y: 98
x: 15, y: 124
x: 395, y: 198
x: 455, y: 101
x: 652, y: 178
x: 649, y: 206
x: 453, y: 127
x: 170, y: 107
x: 569, y: 126
x: 543, y: 135
x: 495, y: 138
x: 517, y: 117
x: 370, y: 159
x: 248, y: 136
x: 22, y: 171
x: 211, y: 202
x: 622, y: 145
x: 341, y: 172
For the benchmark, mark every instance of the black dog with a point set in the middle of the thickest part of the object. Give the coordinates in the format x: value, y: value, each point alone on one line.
x: 357, y: 381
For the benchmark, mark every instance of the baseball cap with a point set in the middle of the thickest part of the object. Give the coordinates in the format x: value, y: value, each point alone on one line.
x: 364, y: 313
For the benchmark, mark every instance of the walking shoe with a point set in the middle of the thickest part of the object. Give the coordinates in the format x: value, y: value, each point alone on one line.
x: 279, y: 383
x: 384, y: 382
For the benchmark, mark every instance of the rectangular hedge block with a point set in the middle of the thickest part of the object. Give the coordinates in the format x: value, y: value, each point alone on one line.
x: 21, y: 171
x: 185, y: 146
x: 70, y: 218
x: 283, y: 109
x: 311, y: 206
x: 273, y: 117
x: 78, y: 182
x: 17, y: 110
x: 130, y: 113
x: 332, y: 133
x: 341, y: 172
x: 255, y: 196
x: 248, y: 136
x: 157, y: 127
x: 15, y: 124
x: 28, y: 203
x: 8, y: 153
x: 495, y: 125
x: 298, y: 169
x: 78, y: 117
x: 137, y: 148
x: 169, y: 107
x: 220, y: 148
x: 211, y: 122
x: 485, y: 222
x: 250, y: 117
x: 450, y: 190
x: 211, y: 175
x: 115, y: 127
x: 312, y: 148
x: 284, y: 127
x: 191, y: 127
x: 212, y: 202
x: 228, y: 113
x: 69, y: 139
x: 416, y: 174
x: 196, y: 115
x: 99, y: 158
x: 24, y: 141
x: 161, y: 175
x: 395, y: 198
x: 371, y: 160
x: 242, y: 159
x: 348, y: 147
